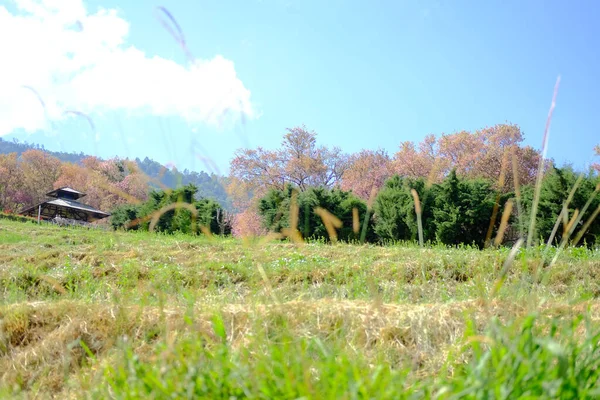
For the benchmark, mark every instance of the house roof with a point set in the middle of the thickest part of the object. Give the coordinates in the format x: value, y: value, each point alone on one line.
x: 77, y: 205
x: 69, y: 204
x: 76, y: 194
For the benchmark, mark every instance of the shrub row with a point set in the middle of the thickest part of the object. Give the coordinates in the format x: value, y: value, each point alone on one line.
x: 15, y: 217
x: 173, y: 211
x: 455, y: 211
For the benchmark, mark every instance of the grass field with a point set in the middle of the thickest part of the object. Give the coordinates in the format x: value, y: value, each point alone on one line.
x: 86, y: 313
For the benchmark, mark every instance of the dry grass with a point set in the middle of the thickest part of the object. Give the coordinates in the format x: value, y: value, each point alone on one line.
x: 40, y: 340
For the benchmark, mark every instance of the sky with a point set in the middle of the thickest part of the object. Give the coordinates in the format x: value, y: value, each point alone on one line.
x: 115, y: 78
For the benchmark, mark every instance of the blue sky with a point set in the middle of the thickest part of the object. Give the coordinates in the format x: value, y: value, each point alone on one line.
x: 361, y: 74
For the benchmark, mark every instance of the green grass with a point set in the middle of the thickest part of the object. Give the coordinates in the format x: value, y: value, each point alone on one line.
x: 522, y: 364
x: 87, y: 313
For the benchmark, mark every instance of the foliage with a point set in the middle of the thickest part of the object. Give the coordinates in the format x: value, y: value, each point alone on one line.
x: 419, y: 160
x: 124, y: 215
x: 276, y: 211
x: 107, y: 184
x: 40, y: 171
x: 13, y: 194
x: 156, y: 175
x: 13, y: 217
x: 19, y: 147
x: 247, y: 224
x: 208, y: 213
x: 367, y: 172
x: 246, y: 221
x: 299, y: 161
x: 495, y: 154
x: 490, y: 154
x: 464, y: 210
x: 596, y: 165
x: 484, y: 153
x: 457, y: 211
x: 556, y: 187
x: 25, y: 180
x: 395, y: 216
x: 209, y: 186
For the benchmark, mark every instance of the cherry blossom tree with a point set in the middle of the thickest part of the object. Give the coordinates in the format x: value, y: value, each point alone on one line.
x: 367, y: 172
x: 13, y: 195
x: 247, y: 224
x: 107, y: 183
x: 419, y: 161
x: 487, y: 153
x: 39, y: 172
x: 596, y: 166
x: 299, y: 161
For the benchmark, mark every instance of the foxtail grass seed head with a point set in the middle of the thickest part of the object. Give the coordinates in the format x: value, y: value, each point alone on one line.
x: 503, y: 222
x: 540, y: 171
x: 330, y: 221
x: 355, y: 221
x: 417, y: 202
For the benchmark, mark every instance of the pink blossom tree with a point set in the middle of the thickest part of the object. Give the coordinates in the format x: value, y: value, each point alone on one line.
x: 486, y: 153
x: 367, y: 172
x: 596, y: 166
x: 299, y: 161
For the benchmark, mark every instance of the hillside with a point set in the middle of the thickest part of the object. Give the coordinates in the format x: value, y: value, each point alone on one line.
x: 209, y: 186
x: 137, y: 314
x: 16, y: 146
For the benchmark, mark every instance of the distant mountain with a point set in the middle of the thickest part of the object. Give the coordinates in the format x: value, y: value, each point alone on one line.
x: 209, y: 186
x: 16, y: 146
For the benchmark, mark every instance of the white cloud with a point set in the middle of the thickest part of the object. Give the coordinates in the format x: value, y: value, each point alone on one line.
x: 78, y: 60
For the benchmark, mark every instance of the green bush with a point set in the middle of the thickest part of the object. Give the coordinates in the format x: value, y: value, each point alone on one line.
x: 395, y: 216
x: 457, y: 211
x: 463, y: 210
x: 454, y: 212
x: 124, y: 215
x: 275, y: 207
x: 209, y: 213
x: 15, y: 217
x: 555, y: 189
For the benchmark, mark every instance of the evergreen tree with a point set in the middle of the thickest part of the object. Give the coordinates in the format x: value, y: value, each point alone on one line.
x: 274, y: 209
x: 464, y: 210
x: 395, y: 213
x: 179, y: 219
x: 556, y: 186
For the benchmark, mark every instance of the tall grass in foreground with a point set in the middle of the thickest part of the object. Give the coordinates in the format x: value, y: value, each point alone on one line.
x: 522, y: 360
x: 540, y: 171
